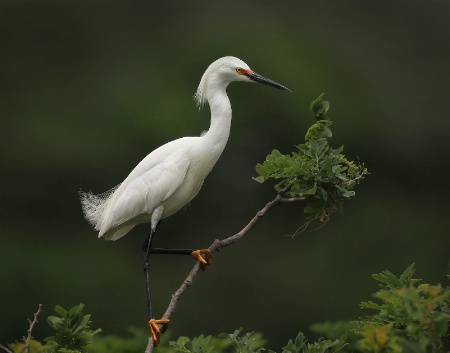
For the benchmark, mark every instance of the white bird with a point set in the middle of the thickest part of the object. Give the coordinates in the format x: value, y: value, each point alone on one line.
x: 172, y: 175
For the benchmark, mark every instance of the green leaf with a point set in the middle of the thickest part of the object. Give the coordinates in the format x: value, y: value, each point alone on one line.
x: 75, y: 311
x: 319, y: 107
x: 296, y: 345
x: 388, y: 278
x: 55, y: 322
x: 261, y: 169
x: 348, y: 194
x: 259, y: 179
x: 406, y: 276
x: 60, y: 311
x: 82, y: 324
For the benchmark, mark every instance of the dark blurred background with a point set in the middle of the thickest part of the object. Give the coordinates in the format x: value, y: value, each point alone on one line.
x: 88, y: 88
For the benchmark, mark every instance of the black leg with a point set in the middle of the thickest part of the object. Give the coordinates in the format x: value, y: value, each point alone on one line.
x: 172, y: 251
x: 204, y: 256
x: 149, y: 238
x: 148, y: 244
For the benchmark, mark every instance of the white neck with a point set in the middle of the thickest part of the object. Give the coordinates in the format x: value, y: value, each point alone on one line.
x: 219, y: 131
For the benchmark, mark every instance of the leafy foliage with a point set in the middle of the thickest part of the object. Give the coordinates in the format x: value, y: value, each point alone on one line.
x: 33, y: 347
x: 408, y: 318
x: 201, y: 344
x: 316, y: 171
x: 300, y: 345
x: 72, y: 333
x: 135, y: 343
x: 251, y: 342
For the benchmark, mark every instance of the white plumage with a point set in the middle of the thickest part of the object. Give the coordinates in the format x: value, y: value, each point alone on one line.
x: 172, y: 175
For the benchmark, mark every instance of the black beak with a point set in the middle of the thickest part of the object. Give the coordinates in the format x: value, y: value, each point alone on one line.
x: 261, y: 79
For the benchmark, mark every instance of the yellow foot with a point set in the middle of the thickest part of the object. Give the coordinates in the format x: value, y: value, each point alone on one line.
x: 204, y: 260
x: 154, y: 329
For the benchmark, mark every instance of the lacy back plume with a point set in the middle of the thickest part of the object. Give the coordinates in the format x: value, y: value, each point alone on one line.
x: 94, y: 205
x: 199, y: 97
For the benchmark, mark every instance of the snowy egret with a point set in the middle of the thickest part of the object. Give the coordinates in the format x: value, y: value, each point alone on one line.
x: 172, y: 175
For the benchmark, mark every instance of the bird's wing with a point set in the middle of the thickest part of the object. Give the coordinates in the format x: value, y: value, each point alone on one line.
x: 146, y: 192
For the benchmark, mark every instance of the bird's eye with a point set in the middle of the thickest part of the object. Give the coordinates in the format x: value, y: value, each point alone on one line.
x: 240, y: 70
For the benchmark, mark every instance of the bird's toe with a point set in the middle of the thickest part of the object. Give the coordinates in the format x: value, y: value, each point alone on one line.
x: 204, y: 257
x: 155, y: 330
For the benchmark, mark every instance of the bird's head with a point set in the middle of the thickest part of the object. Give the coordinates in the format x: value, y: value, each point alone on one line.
x: 225, y: 70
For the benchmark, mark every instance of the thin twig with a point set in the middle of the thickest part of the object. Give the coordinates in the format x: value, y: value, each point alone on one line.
x: 30, y: 330
x: 5, y: 349
x: 216, y: 246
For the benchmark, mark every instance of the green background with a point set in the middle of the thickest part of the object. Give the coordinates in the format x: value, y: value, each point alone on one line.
x: 88, y: 88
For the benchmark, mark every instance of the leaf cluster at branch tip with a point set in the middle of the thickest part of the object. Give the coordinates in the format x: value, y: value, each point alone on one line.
x: 316, y: 171
x: 72, y: 333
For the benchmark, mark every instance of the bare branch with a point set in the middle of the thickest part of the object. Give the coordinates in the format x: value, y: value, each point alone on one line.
x: 149, y: 348
x: 30, y: 330
x: 5, y: 349
x: 216, y: 246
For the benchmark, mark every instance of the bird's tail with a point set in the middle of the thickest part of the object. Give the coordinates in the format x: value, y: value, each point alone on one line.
x: 94, y: 205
